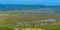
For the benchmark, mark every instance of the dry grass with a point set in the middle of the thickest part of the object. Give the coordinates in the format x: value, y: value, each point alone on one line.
x: 28, y: 29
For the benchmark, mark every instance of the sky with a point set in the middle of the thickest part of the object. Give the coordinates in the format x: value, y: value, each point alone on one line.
x: 45, y: 2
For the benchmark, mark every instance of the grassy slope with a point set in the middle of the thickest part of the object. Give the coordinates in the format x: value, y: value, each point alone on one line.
x: 15, y: 17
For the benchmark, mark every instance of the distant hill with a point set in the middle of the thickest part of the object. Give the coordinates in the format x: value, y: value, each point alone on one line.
x: 21, y: 7
x: 24, y: 7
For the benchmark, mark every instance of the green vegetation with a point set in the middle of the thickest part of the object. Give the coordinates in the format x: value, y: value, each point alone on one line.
x: 47, y: 27
x: 6, y: 27
x: 7, y: 18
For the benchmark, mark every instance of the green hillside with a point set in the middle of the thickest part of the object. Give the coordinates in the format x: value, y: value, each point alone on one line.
x: 10, y: 18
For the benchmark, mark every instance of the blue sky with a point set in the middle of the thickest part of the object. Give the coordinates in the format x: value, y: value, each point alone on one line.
x: 46, y: 2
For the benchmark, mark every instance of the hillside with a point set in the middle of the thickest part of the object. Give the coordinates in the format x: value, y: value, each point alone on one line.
x: 30, y: 8
x: 30, y: 16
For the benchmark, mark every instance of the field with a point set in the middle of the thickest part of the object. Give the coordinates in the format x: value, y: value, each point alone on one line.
x: 8, y: 20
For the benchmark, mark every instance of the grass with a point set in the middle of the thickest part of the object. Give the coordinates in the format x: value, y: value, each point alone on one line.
x: 10, y: 17
x: 46, y: 27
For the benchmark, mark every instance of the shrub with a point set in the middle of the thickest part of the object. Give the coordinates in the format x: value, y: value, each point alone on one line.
x: 6, y: 28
